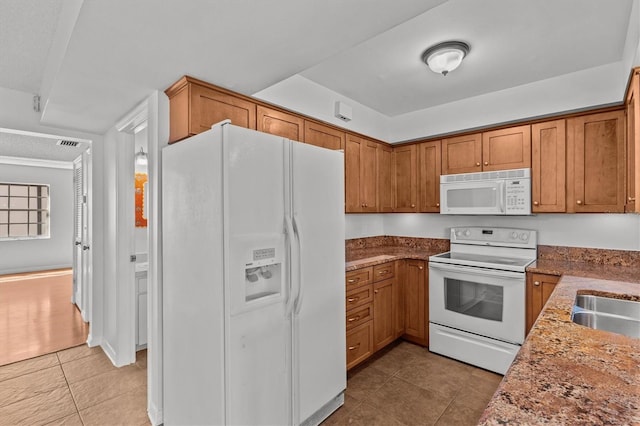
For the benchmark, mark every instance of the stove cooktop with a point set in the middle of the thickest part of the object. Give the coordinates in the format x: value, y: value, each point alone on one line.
x: 484, y: 261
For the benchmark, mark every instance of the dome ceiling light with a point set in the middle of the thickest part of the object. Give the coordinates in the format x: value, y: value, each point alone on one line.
x: 445, y: 57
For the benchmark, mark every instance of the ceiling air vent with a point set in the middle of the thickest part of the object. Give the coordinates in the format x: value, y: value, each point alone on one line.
x: 63, y: 142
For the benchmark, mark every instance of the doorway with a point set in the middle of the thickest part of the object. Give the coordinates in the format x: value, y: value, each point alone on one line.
x: 37, y: 244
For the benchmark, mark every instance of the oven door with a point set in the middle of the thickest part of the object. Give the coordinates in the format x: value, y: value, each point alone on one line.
x: 485, y: 197
x: 483, y: 301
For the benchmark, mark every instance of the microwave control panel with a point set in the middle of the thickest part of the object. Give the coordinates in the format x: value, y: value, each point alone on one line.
x: 518, y: 196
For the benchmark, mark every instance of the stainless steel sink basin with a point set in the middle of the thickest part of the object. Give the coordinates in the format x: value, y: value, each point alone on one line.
x: 608, y: 314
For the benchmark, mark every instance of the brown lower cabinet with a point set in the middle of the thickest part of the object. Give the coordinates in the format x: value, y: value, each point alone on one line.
x: 378, y: 310
x: 539, y: 288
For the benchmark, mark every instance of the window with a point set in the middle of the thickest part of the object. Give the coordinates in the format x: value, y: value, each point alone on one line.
x: 24, y: 211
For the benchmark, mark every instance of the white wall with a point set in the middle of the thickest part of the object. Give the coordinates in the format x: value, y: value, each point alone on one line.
x: 307, y: 97
x: 609, y: 231
x: 41, y: 254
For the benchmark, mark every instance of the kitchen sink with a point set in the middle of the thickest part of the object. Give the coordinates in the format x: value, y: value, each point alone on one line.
x: 608, y: 314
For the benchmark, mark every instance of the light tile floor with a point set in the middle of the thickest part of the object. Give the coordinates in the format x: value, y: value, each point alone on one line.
x: 76, y: 386
x: 408, y: 385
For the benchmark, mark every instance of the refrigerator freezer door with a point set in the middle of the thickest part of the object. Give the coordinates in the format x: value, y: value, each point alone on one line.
x: 258, y: 333
x: 193, y: 312
x: 318, y: 212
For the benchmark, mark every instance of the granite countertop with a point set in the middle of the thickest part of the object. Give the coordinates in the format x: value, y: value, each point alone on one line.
x: 362, y: 258
x: 569, y: 374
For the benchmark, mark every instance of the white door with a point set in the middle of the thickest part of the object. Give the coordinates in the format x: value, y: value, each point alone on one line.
x: 318, y: 212
x: 78, y: 209
x: 258, y: 335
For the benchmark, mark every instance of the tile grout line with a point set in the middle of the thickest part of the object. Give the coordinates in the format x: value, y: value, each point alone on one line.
x: 73, y: 398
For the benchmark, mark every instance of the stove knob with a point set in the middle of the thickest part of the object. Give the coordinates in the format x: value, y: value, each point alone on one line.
x: 514, y: 235
x: 524, y: 236
x: 467, y: 233
x: 458, y: 233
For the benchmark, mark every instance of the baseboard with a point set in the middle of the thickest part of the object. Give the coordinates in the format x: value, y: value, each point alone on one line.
x: 109, y: 351
x: 155, y: 414
x: 29, y: 270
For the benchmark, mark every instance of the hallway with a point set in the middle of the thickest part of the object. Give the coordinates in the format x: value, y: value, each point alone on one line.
x: 37, y: 316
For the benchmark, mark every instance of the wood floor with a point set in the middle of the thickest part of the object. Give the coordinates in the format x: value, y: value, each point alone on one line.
x: 37, y: 316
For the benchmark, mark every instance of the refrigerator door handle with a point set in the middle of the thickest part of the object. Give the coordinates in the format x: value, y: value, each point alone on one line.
x: 293, y: 262
x: 298, y: 301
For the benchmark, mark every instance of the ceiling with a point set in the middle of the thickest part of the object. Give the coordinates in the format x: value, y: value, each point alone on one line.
x: 92, y: 61
x: 42, y: 147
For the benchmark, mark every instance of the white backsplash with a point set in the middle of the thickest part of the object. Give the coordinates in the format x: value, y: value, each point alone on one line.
x: 609, y: 231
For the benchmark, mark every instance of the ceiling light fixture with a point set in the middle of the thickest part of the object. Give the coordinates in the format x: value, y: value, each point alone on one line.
x: 445, y: 57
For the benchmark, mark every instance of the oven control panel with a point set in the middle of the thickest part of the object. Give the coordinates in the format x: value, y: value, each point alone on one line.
x: 506, y: 237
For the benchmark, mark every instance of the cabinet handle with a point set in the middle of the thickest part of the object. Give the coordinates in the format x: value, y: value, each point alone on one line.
x: 536, y: 283
x: 486, y: 163
x: 353, y: 280
x: 535, y: 203
x: 354, y: 319
x: 386, y: 271
x: 351, y: 348
x: 353, y: 299
x: 631, y: 198
x: 478, y: 164
x: 579, y: 202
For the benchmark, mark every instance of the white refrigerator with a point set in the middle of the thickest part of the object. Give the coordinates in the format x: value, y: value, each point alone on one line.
x: 253, y: 280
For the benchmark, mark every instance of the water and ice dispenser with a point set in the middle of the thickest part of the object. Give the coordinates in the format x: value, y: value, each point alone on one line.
x: 262, y: 274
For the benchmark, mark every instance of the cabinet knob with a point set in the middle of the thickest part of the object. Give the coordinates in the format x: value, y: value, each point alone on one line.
x: 437, y: 204
x: 535, y: 203
x: 375, y: 291
x: 631, y: 198
x: 486, y: 163
x: 536, y: 283
x: 579, y: 202
x: 420, y: 267
x: 477, y: 164
x: 413, y: 206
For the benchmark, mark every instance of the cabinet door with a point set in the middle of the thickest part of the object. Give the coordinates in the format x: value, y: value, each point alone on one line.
x: 359, y: 344
x: 369, y: 175
x: 633, y: 144
x: 462, y: 154
x: 539, y: 288
x: 405, y: 179
x: 548, y: 167
x: 596, y: 163
x: 352, y: 178
x: 280, y: 123
x: 383, y: 313
x: 506, y: 149
x: 208, y: 106
x: 323, y: 136
x: 429, y: 162
x: 385, y: 178
x: 415, y: 302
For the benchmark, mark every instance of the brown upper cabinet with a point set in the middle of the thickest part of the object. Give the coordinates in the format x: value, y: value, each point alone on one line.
x: 385, y: 178
x: 462, y: 154
x: 405, y: 179
x: 596, y: 163
x: 548, y: 167
x: 280, y: 123
x: 632, y: 104
x: 506, y: 149
x: 323, y: 136
x: 194, y: 106
x: 361, y: 174
x: 429, y: 176
x: 501, y: 149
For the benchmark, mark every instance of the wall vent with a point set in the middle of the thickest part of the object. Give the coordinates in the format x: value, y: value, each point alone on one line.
x: 63, y: 142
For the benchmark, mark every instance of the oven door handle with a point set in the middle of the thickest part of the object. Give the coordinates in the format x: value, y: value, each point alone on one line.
x: 475, y: 270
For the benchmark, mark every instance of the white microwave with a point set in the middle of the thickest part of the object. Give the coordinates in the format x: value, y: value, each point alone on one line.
x: 504, y: 192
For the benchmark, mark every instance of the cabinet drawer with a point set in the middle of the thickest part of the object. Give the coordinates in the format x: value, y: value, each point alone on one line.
x: 360, y: 277
x: 359, y: 296
x: 360, y: 315
x: 359, y: 344
x: 384, y: 271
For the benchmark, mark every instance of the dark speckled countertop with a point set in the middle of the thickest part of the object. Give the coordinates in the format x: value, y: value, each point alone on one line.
x: 569, y: 374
